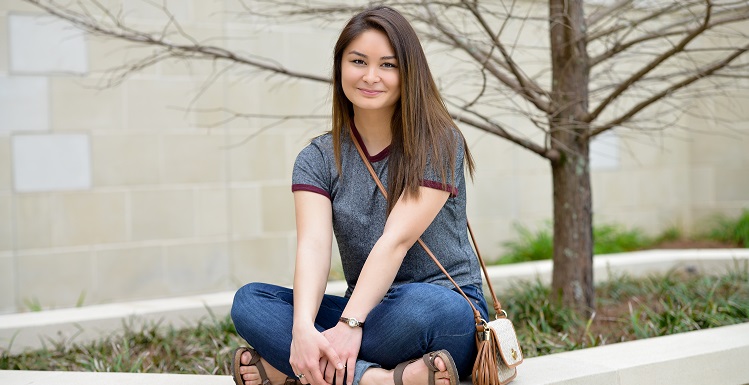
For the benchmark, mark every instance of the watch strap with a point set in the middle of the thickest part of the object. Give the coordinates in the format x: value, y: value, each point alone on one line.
x: 349, y: 322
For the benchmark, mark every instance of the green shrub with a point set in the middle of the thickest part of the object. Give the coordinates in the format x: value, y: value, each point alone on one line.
x: 529, y: 246
x: 672, y: 233
x: 629, y: 308
x: 607, y: 239
x: 732, y: 230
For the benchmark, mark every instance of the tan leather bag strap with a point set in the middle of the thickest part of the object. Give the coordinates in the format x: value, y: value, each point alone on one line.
x: 497, y: 305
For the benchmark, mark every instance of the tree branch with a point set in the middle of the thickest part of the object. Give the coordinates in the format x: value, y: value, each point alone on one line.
x: 728, y: 17
x: 527, y: 87
x: 653, y: 64
x: 494, y: 128
x: 630, y: 25
x: 604, y: 12
x: 699, y: 75
x: 123, y: 32
x: 480, y: 56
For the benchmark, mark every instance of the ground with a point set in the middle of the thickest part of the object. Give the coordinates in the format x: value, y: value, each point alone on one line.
x: 694, y: 244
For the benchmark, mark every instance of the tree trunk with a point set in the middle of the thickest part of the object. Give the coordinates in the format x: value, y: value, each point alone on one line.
x: 572, y: 280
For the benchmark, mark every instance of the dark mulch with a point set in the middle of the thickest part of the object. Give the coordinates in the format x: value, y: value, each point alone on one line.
x: 695, y: 244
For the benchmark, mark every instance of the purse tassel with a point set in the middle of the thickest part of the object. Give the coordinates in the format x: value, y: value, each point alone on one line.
x: 485, y: 370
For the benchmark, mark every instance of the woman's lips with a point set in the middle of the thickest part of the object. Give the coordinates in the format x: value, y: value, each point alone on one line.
x: 369, y: 92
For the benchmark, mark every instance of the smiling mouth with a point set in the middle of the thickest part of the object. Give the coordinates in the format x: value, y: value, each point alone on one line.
x: 370, y: 92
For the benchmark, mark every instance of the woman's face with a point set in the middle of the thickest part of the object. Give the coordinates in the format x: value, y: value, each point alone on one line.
x: 369, y: 73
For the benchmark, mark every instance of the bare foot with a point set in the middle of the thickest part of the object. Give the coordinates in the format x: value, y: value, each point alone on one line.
x: 251, y: 374
x: 416, y: 373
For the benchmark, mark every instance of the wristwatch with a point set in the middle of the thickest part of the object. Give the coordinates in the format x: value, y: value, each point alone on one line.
x: 351, y: 322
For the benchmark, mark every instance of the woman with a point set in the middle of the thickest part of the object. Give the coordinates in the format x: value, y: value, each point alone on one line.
x: 399, y: 307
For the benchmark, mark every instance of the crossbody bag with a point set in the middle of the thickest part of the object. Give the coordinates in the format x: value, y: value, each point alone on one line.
x: 499, y: 352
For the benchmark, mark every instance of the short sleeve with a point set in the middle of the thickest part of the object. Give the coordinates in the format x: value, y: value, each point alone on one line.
x: 311, y: 172
x: 433, y: 174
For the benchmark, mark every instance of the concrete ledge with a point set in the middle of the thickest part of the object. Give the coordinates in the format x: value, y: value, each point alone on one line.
x: 712, y: 356
x: 22, y: 331
x: 24, y: 377
x: 636, y: 264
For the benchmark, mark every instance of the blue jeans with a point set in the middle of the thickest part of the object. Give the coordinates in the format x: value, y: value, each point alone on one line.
x: 412, y: 319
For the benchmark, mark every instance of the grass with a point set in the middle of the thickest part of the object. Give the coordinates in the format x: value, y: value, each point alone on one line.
x: 729, y: 230
x: 627, y: 309
x: 147, y: 348
x: 610, y: 238
x: 630, y: 309
x: 529, y: 246
x: 613, y: 238
x: 607, y: 239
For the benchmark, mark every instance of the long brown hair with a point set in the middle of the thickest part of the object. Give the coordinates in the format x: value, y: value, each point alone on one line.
x: 421, y: 127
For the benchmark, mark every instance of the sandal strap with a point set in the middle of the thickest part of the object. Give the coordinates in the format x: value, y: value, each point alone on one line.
x: 254, y: 361
x: 429, y: 362
x: 447, y: 359
x: 398, y: 372
x: 259, y: 365
x: 255, y: 357
x: 428, y: 359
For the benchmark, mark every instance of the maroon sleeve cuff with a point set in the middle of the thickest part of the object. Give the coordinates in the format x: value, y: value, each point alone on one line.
x: 437, y: 185
x: 310, y: 188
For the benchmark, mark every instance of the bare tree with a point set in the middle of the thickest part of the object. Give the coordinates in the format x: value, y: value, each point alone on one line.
x: 601, y: 65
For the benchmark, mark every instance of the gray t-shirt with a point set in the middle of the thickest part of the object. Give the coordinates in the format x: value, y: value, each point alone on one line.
x: 359, y: 213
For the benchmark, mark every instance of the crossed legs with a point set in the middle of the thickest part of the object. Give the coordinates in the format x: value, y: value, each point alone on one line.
x: 411, y: 320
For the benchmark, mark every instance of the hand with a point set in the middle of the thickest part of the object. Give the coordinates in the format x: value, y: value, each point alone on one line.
x: 308, y: 349
x: 346, y: 341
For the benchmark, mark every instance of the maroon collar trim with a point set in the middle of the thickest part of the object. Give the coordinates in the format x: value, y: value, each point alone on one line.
x: 372, y: 158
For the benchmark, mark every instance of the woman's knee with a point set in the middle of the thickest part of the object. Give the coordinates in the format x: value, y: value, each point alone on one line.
x: 417, y: 318
x: 423, y: 305
x: 429, y: 298
x: 248, y: 298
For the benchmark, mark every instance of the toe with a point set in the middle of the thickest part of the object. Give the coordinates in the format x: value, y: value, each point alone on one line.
x: 245, y: 358
x: 441, y: 366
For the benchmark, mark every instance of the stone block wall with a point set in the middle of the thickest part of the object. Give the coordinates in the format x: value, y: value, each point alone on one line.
x: 149, y: 188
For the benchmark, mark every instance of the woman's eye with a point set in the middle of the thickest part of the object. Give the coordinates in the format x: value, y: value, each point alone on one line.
x: 358, y: 61
x: 389, y: 65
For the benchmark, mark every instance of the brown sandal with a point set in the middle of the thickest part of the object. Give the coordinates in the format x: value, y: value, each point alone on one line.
x: 255, y: 360
x: 428, y: 358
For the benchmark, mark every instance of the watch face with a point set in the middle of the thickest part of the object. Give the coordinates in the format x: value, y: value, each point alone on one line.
x: 352, y: 322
